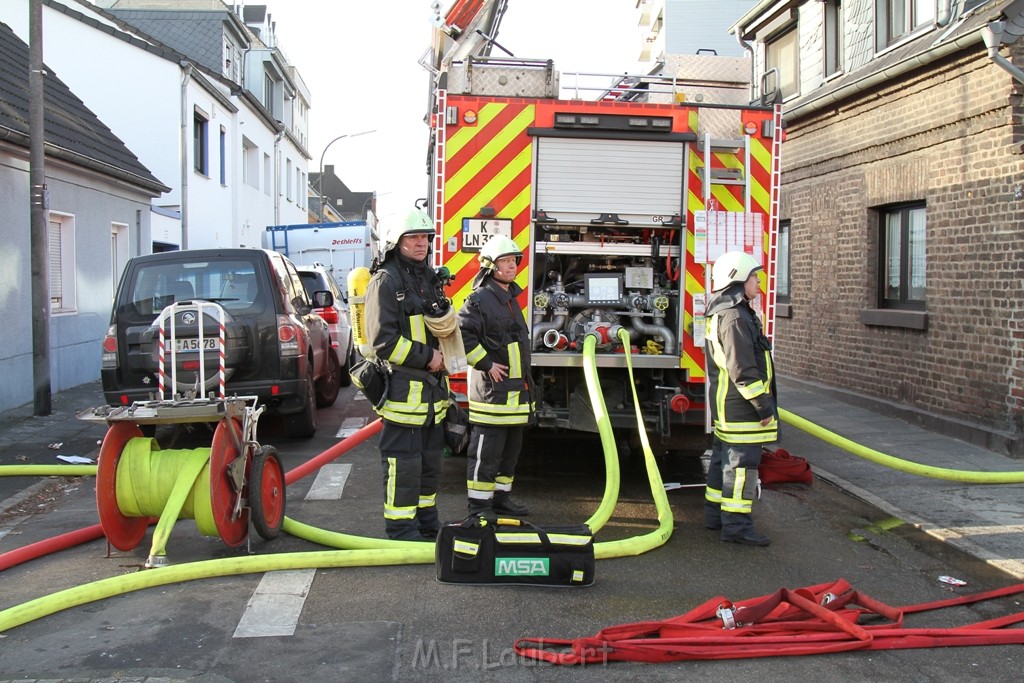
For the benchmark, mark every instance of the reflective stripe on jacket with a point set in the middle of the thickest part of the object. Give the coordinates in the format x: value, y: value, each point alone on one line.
x: 740, y: 371
x: 494, y: 331
x: 395, y: 302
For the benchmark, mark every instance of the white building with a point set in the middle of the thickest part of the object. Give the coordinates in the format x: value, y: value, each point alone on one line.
x: 207, y: 103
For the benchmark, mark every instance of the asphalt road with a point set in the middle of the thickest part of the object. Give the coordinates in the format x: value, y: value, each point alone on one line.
x: 397, y: 623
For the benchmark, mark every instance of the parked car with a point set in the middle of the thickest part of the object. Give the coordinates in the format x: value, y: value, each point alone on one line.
x: 316, y: 278
x: 276, y: 346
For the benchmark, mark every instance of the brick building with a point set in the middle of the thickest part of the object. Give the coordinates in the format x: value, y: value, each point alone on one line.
x: 902, y: 240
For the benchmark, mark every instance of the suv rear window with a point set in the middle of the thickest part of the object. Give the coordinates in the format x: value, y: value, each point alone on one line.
x: 231, y: 283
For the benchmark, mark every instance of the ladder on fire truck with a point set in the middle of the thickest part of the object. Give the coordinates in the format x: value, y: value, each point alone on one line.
x: 730, y: 176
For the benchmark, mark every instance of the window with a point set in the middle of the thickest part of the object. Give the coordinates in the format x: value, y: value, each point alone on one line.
x: 901, y: 257
x: 833, y: 37
x: 267, y: 175
x: 250, y: 163
x: 783, y: 54
x: 118, y: 253
x: 268, y: 93
x: 288, y: 179
x: 200, y: 149
x: 61, y: 237
x: 895, y: 19
x: 223, y: 157
x: 782, y: 292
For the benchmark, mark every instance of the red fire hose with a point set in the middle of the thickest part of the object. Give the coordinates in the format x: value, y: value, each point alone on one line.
x: 817, y: 619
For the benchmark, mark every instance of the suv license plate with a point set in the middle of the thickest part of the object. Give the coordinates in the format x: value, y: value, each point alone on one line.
x: 192, y: 344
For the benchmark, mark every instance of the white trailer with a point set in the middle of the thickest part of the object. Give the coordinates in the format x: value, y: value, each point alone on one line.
x: 339, y: 247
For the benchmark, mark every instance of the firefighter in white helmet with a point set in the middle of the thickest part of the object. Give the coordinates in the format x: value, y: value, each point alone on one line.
x: 403, y: 290
x: 741, y: 378
x: 501, y: 402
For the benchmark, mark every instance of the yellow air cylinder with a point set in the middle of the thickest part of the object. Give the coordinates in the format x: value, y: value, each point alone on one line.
x: 358, y: 279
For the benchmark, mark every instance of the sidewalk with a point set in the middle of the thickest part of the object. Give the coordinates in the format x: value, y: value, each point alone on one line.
x: 983, y: 520
x: 26, y: 439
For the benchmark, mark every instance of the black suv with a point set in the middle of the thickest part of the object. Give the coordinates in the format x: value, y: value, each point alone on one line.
x: 276, y: 347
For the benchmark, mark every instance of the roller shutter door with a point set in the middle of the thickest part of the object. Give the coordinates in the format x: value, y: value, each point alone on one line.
x: 579, y: 179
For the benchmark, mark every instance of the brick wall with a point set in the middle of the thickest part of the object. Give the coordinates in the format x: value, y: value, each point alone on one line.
x: 951, y: 136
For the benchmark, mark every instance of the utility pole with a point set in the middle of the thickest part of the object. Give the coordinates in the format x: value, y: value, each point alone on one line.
x: 40, y: 246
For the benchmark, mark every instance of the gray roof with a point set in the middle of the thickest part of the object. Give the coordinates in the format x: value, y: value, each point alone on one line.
x: 196, y: 34
x: 68, y: 124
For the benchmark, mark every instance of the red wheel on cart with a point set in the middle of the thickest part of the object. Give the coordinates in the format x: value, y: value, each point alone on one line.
x: 266, y: 492
x: 223, y: 493
x: 124, y: 533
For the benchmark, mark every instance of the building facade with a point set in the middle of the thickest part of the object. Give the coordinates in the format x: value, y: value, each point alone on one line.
x: 902, y: 241
x: 98, y: 194
x: 206, y: 100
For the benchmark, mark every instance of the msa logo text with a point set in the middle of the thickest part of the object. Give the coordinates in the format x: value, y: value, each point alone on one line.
x: 521, y: 566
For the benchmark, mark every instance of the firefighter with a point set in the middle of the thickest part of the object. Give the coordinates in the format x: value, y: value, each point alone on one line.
x: 500, y: 401
x: 402, y: 292
x: 741, y: 379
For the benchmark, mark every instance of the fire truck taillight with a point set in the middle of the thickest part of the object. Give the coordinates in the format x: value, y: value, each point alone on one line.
x: 109, y: 357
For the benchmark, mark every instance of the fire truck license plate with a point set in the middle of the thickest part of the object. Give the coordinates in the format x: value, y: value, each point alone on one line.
x: 192, y: 344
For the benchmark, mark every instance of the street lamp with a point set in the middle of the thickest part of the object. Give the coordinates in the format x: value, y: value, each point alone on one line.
x: 320, y: 178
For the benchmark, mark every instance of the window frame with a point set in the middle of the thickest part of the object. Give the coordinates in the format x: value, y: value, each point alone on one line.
x: 63, y: 272
x: 200, y: 142
x: 790, y: 30
x: 886, y: 35
x: 833, y: 53
x: 904, y: 299
x: 783, y: 277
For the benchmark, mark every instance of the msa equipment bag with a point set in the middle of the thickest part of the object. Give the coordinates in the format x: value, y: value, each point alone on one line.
x: 497, y: 550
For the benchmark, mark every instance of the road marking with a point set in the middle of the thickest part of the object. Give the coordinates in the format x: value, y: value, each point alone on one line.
x: 359, y: 397
x: 349, y: 426
x: 275, y: 606
x: 330, y: 482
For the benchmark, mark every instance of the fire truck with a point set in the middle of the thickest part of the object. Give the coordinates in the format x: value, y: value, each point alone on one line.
x: 620, y: 203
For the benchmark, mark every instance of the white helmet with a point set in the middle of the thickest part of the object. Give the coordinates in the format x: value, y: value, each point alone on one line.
x: 732, y: 266
x: 416, y: 223
x: 497, y: 247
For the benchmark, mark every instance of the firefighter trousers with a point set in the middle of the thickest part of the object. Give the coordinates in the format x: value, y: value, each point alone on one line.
x: 732, y: 487
x: 411, y: 458
x: 491, y: 460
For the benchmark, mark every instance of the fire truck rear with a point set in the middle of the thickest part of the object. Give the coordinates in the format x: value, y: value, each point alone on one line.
x: 620, y: 204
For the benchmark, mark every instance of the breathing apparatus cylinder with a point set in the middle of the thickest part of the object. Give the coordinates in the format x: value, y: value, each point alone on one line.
x: 358, y: 280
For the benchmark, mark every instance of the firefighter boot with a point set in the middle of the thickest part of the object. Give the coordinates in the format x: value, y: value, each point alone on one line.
x: 428, y: 521
x: 739, y: 528
x: 479, y: 507
x: 403, y: 530
x: 504, y: 505
x: 712, y: 516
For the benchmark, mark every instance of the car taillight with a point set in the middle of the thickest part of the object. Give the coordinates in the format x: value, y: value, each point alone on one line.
x: 287, y: 336
x: 109, y: 356
x: 330, y: 315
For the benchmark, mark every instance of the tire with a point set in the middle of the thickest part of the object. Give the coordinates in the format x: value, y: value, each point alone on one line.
x: 345, y: 379
x: 266, y: 492
x: 329, y: 384
x: 302, y: 425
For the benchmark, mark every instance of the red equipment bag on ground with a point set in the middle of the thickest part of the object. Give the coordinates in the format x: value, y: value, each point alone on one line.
x: 779, y: 467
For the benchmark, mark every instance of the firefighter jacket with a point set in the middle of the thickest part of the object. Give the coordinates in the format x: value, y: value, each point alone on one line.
x: 399, y: 294
x: 494, y: 331
x: 741, y: 375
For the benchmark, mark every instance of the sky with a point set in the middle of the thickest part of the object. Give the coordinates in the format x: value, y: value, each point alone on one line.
x: 359, y: 59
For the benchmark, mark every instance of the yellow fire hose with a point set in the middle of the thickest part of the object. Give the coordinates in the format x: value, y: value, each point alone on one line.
x: 370, y: 551
x: 898, y: 463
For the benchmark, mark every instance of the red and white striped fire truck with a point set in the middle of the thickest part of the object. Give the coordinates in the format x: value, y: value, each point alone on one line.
x: 619, y: 202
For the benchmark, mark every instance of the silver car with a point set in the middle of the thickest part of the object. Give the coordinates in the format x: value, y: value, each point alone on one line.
x: 316, y: 278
